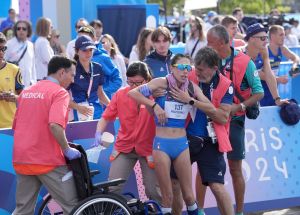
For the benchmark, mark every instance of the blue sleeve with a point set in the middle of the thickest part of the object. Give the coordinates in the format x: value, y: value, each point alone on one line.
x: 114, y: 82
x: 106, y: 63
x: 112, y: 77
x: 228, y: 97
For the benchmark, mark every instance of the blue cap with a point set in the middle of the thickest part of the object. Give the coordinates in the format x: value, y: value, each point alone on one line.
x: 254, y: 29
x: 84, y: 42
x: 211, y: 14
x: 290, y: 113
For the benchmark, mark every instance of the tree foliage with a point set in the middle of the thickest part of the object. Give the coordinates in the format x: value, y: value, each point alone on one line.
x: 258, y: 7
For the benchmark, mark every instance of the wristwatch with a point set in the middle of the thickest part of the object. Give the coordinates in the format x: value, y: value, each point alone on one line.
x: 192, y: 102
x: 243, y: 106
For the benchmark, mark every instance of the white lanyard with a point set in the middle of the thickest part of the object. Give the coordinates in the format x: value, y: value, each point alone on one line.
x: 91, y: 82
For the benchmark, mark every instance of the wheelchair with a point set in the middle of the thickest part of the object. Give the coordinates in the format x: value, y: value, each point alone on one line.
x: 95, y: 199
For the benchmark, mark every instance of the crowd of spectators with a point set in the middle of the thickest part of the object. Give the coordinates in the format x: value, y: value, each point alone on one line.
x: 219, y: 48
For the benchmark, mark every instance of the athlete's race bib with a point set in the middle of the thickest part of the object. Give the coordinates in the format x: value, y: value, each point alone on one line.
x: 176, y: 110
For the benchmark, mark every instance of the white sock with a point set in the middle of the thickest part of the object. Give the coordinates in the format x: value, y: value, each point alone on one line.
x: 192, y: 207
x: 166, y: 210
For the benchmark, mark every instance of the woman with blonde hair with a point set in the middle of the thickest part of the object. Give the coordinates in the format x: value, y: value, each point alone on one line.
x: 110, y: 45
x: 42, y: 48
x: 142, y: 47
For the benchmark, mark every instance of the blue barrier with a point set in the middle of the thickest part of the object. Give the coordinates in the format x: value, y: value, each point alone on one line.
x: 295, y: 49
x: 177, y: 49
x: 271, y: 167
x: 290, y: 89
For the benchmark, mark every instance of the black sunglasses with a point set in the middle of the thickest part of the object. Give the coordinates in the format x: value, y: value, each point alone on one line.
x: 21, y: 28
x: 3, y: 48
x: 262, y: 38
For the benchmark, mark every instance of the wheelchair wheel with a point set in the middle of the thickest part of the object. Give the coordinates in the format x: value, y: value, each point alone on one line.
x: 46, y: 210
x: 106, y: 204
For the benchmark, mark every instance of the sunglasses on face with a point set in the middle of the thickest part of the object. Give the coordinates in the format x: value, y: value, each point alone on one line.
x: 21, y: 28
x: 3, y: 48
x: 136, y: 83
x: 262, y: 38
x: 183, y: 67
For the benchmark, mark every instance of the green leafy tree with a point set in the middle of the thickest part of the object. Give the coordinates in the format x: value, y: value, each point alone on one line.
x: 254, y: 7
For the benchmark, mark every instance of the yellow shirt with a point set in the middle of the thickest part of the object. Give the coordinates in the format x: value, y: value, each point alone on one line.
x: 10, y: 80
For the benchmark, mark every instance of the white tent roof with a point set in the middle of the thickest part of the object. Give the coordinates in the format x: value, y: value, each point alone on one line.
x: 199, y: 4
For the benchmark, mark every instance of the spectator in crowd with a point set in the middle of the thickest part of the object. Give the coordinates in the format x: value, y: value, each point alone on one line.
x: 142, y: 47
x: 296, y: 28
x: 242, y: 28
x: 42, y: 48
x: 39, y: 156
x: 231, y: 25
x: 70, y: 46
x: 110, y: 45
x: 135, y: 136
x: 197, y: 37
x: 247, y: 83
x: 275, y: 12
x: 290, y: 39
x: 20, y: 51
x: 56, y: 45
x: 10, y: 87
x: 159, y: 59
x: 9, y: 33
x: 277, y: 49
x: 87, y: 90
x: 98, y: 26
x: 209, y: 20
x: 9, y: 22
x: 170, y: 143
x: 257, y: 49
x: 205, y: 149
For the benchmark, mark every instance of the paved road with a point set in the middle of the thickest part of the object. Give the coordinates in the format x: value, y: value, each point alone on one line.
x: 289, y: 211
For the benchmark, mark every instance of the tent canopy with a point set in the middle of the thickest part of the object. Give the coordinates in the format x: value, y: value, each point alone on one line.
x: 196, y: 4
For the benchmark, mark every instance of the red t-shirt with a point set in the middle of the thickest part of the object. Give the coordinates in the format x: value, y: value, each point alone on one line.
x: 137, y: 128
x: 38, y: 106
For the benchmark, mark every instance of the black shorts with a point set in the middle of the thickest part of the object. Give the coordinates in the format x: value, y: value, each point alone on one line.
x: 237, y: 140
x: 211, y: 163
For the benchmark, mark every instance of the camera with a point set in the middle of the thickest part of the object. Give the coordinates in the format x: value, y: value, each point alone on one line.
x: 294, y: 71
x: 211, y: 130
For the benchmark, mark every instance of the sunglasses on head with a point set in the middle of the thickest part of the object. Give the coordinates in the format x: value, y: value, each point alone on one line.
x: 21, y: 28
x: 262, y: 38
x: 183, y: 67
x: 3, y: 48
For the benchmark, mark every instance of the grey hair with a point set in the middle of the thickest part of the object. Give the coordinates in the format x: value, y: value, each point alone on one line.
x: 207, y: 56
x: 220, y: 32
